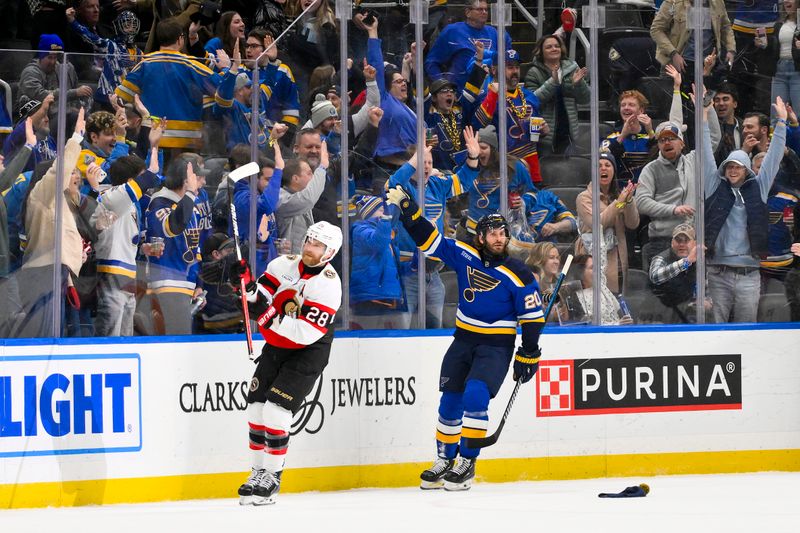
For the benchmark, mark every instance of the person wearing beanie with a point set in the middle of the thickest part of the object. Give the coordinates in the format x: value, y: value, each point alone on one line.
x: 617, y: 213
x: 375, y: 288
x: 323, y: 114
x: 325, y: 119
x: 448, y: 111
x: 39, y: 79
x: 484, y: 192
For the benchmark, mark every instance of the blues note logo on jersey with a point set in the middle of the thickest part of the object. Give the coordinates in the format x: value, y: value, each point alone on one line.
x: 478, y: 282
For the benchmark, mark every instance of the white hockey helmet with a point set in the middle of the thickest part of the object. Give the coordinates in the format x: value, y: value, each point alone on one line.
x: 327, y: 234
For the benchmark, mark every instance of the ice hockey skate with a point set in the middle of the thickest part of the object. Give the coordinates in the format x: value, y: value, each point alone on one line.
x: 267, y: 488
x: 461, y: 475
x: 247, y: 488
x: 433, y: 477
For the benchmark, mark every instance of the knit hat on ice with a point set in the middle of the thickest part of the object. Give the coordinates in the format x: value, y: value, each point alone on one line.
x: 48, y: 43
x: 367, y: 205
x: 488, y: 135
x: 321, y: 110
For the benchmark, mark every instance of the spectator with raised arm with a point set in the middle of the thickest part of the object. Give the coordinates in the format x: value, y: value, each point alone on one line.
x: 455, y: 46
x: 439, y: 187
x: 40, y: 79
x: 268, y: 186
x: 10, y: 307
x: 119, y: 52
x: 737, y: 223
x: 301, y: 187
x: 38, y: 215
x: 525, y: 127
x: 119, y: 221
x: 447, y: 112
x: 173, y: 85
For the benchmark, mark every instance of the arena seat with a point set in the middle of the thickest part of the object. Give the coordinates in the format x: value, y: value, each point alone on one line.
x: 568, y: 195
x: 560, y: 171
x: 773, y: 308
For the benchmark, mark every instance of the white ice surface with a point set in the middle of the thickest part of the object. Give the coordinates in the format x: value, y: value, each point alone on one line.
x: 753, y: 503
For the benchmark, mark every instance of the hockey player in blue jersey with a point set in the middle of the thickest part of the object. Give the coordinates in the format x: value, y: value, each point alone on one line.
x: 496, y: 292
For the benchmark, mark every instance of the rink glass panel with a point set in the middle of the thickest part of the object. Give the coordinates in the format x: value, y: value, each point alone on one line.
x: 29, y: 313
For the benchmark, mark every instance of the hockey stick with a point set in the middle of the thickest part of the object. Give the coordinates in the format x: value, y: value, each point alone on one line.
x: 483, y: 442
x: 235, y: 175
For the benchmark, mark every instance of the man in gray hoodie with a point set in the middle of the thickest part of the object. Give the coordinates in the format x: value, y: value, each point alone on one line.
x: 737, y: 224
x: 302, y: 184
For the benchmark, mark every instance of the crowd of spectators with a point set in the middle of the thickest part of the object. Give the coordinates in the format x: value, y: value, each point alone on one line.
x: 160, y: 99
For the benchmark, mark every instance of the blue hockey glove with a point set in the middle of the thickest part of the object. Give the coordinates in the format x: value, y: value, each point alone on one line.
x: 526, y: 364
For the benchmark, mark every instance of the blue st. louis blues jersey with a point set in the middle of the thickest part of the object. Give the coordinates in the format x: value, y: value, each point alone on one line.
x: 494, y: 295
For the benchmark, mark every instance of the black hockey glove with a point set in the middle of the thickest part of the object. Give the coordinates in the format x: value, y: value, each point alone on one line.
x: 258, y: 301
x: 526, y: 364
x: 241, y: 271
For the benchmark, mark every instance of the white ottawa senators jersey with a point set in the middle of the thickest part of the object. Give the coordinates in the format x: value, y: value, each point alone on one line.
x: 307, y: 300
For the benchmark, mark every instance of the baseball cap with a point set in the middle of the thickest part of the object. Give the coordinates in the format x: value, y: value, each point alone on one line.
x: 440, y: 84
x: 512, y: 55
x: 242, y: 80
x: 669, y: 127
x: 29, y: 108
x: 684, y: 229
x: 218, y: 241
x: 197, y: 163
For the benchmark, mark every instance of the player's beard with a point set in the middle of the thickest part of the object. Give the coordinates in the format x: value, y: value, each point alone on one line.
x: 496, y: 252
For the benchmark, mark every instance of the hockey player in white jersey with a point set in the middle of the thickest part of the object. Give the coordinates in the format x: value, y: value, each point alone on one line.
x: 294, y: 303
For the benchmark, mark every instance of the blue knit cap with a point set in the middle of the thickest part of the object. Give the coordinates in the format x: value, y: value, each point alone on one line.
x: 367, y: 205
x: 48, y: 43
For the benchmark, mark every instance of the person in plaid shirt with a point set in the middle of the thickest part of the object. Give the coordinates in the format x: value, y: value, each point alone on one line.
x: 672, y: 272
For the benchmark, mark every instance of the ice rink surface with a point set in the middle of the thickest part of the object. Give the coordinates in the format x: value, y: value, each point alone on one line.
x: 753, y: 503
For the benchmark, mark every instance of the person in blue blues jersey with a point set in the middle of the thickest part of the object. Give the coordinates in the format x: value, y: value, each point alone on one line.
x: 439, y: 187
x: 170, y: 216
x: 447, y: 112
x: 45, y: 147
x: 268, y: 188
x: 279, y: 92
x: 496, y: 292
x: 232, y: 104
x: 120, y: 52
x: 453, y: 49
x: 484, y: 193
